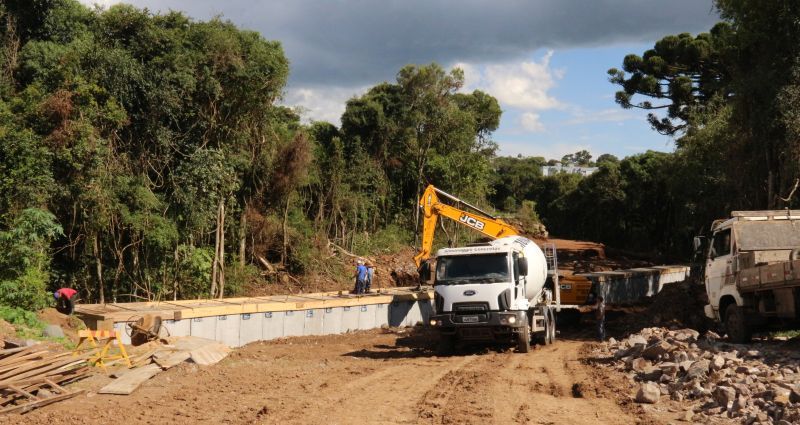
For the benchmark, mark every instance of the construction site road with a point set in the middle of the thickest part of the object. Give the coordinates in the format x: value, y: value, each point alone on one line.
x: 372, y: 377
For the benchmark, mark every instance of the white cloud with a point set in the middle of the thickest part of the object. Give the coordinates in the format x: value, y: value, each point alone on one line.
x: 524, y: 85
x: 103, y: 3
x: 618, y: 115
x: 548, y: 151
x: 321, y: 103
x: 530, y: 121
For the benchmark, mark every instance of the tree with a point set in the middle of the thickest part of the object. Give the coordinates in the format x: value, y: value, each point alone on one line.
x: 581, y: 158
x: 682, y: 71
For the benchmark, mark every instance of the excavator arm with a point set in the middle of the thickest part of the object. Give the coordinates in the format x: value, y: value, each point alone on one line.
x: 478, y: 220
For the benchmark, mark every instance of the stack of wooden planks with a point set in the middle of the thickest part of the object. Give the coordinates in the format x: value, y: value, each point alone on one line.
x: 31, y: 377
x: 180, y: 349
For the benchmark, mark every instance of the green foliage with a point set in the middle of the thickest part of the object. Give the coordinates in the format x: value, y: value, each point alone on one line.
x: 527, y: 215
x: 581, y: 158
x: 20, y: 317
x: 193, y: 267
x: 25, y: 259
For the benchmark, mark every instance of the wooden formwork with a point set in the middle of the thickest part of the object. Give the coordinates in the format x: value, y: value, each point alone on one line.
x: 103, y: 316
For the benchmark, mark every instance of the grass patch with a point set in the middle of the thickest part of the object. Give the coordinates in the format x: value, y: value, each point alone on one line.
x: 28, y: 325
x: 786, y: 334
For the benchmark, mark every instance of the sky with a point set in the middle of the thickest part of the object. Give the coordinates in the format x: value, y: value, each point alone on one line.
x: 544, y: 60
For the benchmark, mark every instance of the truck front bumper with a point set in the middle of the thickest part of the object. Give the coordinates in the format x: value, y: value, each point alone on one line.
x: 491, y: 325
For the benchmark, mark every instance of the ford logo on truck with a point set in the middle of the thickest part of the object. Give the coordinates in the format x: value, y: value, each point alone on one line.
x: 469, y: 293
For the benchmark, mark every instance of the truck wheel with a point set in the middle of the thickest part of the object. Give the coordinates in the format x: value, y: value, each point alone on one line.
x: 552, y: 316
x: 524, y: 339
x: 736, y: 325
x: 447, y: 344
x: 546, y: 340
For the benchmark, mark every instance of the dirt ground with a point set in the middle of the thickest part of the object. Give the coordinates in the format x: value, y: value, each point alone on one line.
x: 380, y: 376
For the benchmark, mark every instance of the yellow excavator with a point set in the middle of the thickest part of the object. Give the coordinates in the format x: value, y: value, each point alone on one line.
x: 574, y: 292
x: 480, y: 221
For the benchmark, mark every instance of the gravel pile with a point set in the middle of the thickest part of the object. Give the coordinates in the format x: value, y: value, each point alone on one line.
x: 712, y: 380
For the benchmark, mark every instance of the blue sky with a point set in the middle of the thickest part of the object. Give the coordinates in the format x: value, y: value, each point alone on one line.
x: 586, y: 116
x: 544, y: 60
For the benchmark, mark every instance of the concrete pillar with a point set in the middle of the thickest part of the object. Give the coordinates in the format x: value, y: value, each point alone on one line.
x: 177, y: 327
x: 398, y: 310
x: 271, y: 325
x: 425, y: 309
x: 293, y: 323
x: 414, y: 314
x: 332, y: 322
x: 250, y: 328
x: 227, y: 331
x: 350, y: 318
x: 366, y: 317
x: 314, y: 322
x: 204, y: 327
x: 381, y: 315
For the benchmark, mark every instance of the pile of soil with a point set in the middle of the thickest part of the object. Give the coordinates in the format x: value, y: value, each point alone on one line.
x: 69, y: 324
x: 586, y: 257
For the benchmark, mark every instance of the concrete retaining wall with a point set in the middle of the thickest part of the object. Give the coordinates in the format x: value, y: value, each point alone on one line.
x: 625, y: 287
x: 239, y: 329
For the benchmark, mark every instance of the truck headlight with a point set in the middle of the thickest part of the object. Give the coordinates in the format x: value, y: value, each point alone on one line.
x: 433, y: 322
x: 512, y: 320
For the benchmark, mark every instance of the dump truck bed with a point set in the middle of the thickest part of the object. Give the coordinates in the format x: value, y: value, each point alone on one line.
x: 784, y: 274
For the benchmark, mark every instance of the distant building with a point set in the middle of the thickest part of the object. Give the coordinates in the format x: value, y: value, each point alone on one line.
x: 550, y: 170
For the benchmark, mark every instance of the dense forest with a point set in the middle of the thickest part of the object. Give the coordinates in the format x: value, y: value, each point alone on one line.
x: 149, y: 156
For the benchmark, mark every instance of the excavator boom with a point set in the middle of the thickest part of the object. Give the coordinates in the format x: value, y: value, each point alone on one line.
x: 432, y: 208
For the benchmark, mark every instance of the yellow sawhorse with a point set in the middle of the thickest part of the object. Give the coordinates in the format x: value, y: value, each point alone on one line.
x: 104, y: 355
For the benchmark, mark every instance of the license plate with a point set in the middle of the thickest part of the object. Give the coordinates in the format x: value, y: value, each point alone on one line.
x: 469, y: 319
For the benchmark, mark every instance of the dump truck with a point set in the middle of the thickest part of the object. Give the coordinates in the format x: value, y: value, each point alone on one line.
x: 500, y: 291
x: 752, y: 271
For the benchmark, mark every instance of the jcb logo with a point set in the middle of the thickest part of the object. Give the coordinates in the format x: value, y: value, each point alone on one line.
x: 472, y: 222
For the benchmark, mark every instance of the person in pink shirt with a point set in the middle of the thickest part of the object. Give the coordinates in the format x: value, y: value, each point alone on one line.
x: 65, y: 300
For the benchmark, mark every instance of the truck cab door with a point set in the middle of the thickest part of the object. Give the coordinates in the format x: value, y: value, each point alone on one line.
x: 719, y: 265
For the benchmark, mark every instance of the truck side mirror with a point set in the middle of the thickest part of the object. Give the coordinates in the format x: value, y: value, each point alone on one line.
x: 697, y: 243
x: 522, y: 264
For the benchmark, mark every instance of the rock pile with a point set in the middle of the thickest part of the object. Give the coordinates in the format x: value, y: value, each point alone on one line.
x: 713, y: 380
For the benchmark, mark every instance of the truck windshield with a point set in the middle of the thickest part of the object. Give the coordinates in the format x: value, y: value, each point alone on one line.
x: 485, y: 268
x: 767, y: 235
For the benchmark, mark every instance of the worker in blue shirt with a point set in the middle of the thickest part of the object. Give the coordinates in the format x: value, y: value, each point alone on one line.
x: 370, y: 275
x: 361, y: 276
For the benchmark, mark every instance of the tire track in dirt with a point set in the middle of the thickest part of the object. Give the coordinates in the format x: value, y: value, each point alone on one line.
x: 389, y: 395
x: 364, y: 378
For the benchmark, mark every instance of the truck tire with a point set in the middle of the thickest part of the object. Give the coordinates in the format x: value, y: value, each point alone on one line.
x: 736, y: 325
x: 548, y: 325
x: 552, y: 318
x: 524, y: 339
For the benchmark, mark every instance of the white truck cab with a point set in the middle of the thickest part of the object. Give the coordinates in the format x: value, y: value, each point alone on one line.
x: 752, y: 272
x: 493, y: 292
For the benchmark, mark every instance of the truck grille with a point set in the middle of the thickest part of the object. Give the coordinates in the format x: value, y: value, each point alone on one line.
x: 471, y: 308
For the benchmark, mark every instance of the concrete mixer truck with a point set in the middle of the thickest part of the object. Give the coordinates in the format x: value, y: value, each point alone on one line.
x: 495, y: 291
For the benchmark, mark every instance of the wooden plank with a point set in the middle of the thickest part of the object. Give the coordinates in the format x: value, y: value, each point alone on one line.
x: 41, y: 368
x: 209, y: 354
x: 8, y: 351
x: 173, y: 359
x: 23, y: 392
x: 43, y: 402
x: 131, y: 380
